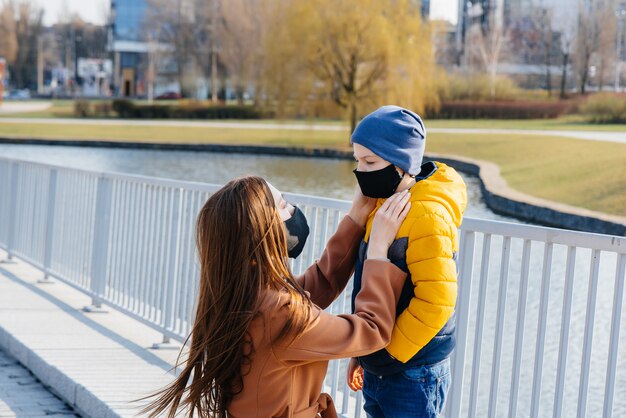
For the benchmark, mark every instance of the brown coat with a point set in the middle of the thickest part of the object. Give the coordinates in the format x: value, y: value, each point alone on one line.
x: 285, y: 379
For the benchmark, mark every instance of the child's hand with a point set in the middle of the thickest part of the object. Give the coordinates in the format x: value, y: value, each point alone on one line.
x: 355, y: 375
x: 361, y: 207
x: 386, y: 224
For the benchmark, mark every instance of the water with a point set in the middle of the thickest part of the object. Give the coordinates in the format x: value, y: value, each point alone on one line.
x: 317, y: 177
x: 334, y: 179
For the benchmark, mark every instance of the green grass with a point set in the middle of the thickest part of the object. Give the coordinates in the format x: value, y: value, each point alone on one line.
x: 566, y: 123
x: 65, y: 109
x: 588, y: 174
x: 309, y: 138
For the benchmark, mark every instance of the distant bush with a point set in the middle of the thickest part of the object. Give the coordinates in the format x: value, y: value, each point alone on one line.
x: 477, y: 87
x: 605, y: 108
x: 129, y: 110
x: 500, y: 110
x: 82, y: 108
x: 123, y: 108
x: 102, y: 109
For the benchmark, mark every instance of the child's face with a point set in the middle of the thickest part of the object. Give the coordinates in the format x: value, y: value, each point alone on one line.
x: 366, y: 160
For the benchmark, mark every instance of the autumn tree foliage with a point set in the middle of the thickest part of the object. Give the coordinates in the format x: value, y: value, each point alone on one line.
x: 357, y: 53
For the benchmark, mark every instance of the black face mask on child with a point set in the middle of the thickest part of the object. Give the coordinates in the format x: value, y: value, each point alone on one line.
x: 380, y: 183
x: 297, y: 230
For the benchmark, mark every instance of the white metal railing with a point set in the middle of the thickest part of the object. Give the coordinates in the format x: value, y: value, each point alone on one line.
x: 538, y: 328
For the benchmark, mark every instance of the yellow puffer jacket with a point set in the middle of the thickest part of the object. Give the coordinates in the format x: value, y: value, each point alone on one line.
x: 437, y: 206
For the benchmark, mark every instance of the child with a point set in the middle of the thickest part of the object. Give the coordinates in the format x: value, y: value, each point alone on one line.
x: 411, y: 377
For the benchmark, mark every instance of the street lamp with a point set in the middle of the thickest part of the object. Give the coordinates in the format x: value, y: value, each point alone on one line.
x: 620, y: 14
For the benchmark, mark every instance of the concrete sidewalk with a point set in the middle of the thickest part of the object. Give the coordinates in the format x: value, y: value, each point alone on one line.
x: 23, y: 107
x: 96, y: 362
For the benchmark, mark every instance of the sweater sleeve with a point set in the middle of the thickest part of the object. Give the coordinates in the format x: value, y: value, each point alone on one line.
x: 329, y: 336
x: 433, y: 272
x: 328, y: 276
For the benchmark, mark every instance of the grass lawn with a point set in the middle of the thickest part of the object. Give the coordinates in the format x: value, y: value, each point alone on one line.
x: 178, y: 134
x: 589, y: 174
x: 65, y: 109
x: 565, y: 123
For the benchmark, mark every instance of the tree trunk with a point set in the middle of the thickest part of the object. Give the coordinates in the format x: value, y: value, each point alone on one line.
x: 583, y: 81
x: 493, y: 77
x: 549, y: 81
x: 240, y: 92
x: 353, y: 116
x: 564, y: 75
x: 548, y: 73
x: 214, y: 88
x: 601, y: 74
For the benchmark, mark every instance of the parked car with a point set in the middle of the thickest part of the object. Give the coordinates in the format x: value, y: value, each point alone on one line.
x: 23, y: 94
x: 170, y: 95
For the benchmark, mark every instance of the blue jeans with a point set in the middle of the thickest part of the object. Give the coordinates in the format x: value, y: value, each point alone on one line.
x: 418, y: 392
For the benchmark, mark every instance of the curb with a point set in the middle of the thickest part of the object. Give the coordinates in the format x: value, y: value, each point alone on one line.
x: 498, y: 196
x: 234, y: 149
x: 74, y: 394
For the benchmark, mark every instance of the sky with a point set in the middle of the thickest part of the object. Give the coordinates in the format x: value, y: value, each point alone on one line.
x: 94, y: 10
x: 445, y: 10
x: 90, y: 10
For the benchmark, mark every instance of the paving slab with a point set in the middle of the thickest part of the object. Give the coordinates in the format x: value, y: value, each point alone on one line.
x: 98, y: 363
x: 22, y: 395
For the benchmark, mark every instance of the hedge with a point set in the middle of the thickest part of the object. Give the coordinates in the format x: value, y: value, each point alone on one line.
x: 501, y: 110
x: 129, y: 110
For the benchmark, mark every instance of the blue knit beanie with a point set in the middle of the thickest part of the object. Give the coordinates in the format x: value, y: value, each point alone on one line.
x: 394, y: 134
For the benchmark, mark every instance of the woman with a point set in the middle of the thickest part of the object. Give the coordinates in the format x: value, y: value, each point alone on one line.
x: 261, y: 343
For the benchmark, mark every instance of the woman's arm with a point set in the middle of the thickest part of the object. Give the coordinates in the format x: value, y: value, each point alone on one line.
x: 367, y: 330
x: 328, y: 276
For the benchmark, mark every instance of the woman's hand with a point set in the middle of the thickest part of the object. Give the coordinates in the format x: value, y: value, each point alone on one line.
x: 386, y: 224
x: 361, y: 207
x: 355, y: 375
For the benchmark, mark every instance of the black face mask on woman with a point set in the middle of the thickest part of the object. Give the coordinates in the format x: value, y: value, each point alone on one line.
x: 380, y: 183
x: 297, y: 230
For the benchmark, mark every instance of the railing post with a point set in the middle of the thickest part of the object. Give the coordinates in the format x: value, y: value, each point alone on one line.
x: 172, y: 273
x: 11, y: 221
x: 100, y: 245
x: 468, y: 239
x: 47, y: 257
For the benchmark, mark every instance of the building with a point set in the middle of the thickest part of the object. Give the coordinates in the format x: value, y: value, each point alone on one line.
x: 128, y: 46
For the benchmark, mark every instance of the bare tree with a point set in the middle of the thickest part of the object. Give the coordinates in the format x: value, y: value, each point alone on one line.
x: 487, y: 45
x: 564, y: 24
x: 8, y: 40
x: 605, y: 50
x: 547, y: 40
x: 240, y: 34
x: 173, y: 23
x: 20, y: 44
x: 594, y: 41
